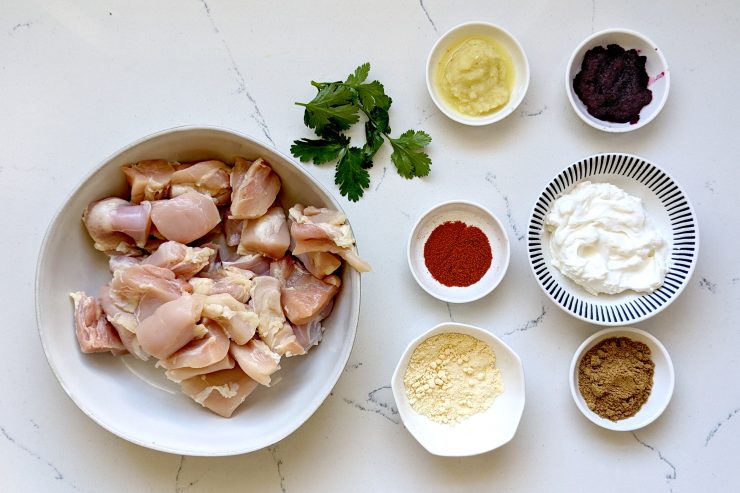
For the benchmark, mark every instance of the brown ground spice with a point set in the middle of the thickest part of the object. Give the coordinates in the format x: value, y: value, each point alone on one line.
x: 615, y: 377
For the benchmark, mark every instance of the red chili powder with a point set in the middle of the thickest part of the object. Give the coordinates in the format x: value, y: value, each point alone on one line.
x: 457, y: 254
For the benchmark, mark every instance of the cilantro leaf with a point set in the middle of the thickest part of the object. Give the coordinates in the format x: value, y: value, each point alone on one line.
x: 351, y: 176
x: 408, y: 156
x: 371, y: 94
x: 333, y: 105
x: 375, y: 127
x: 319, y: 151
x: 360, y: 75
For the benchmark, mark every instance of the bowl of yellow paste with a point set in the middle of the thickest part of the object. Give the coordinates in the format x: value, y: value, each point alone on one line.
x: 477, y: 73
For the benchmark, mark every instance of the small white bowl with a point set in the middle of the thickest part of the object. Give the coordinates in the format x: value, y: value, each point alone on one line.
x: 663, y: 380
x: 481, y: 432
x: 473, y: 215
x: 503, y: 38
x: 656, y: 67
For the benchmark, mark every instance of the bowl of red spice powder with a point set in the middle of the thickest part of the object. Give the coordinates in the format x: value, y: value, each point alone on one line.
x: 458, y: 251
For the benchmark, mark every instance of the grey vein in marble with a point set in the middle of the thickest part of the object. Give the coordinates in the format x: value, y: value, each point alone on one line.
x: 720, y: 424
x: 273, y: 449
x: 256, y: 114
x: 378, y: 404
x: 385, y: 170
x: 449, y: 311
x: 535, y: 113
x: 352, y: 366
x: 491, y: 178
x: 673, y: 474
x: 709, y: 186
x: 429, y: 18
x: 58, y: 474
x: 21, y: 25
x: 708, y: 285
x: 529, y: 324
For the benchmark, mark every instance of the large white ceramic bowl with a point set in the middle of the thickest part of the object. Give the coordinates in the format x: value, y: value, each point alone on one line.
x: 663, y: 380
x: 133, y: 399
x: 481, y: 432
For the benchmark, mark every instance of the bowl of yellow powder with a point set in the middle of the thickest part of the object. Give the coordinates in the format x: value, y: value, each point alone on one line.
x: 459, y: 390
x: 477, y: 73
x: 622, y: 378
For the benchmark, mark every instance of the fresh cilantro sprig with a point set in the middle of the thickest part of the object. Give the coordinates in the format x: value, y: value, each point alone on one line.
x: 335, y: 108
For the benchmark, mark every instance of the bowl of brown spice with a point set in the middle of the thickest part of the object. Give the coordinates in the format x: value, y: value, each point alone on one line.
x: 622, y: 378
x: 458, y: 251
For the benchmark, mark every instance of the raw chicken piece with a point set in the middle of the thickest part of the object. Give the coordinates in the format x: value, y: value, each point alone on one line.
x: 120, y: 262
x: 237, y: 320
x: 199, y: 353
x: 323, y: 230
x: 253, y: 192
x: 181, y: 259
x: 207, y: 177
x: 149, y: 180
x: 252, y: 261
x: 308, y: 335
x: 273, y: 329
x: 233, y: 230
x: 185, y: 218
x: 268, y: 235
x: 94, y: 333
x: 180, y: 374
x: 256, y: 360
x: 115, y: 225
x: 171, y: 326
x: 238, y: 171
x: 232, y: 280
x: 221, y: 392
x: 303, y: 295
x: 320, y: 264
x: 159, y: 285
x: 125, y: 324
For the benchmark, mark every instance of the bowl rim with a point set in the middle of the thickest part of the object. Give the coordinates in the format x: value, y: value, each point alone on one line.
x: 496, y: 116
x: 482, y: 334
x: 155, y: 445
x: 607, y: 126
x: 496, y: 221
x: 533, y: 230
x: 594, y: 339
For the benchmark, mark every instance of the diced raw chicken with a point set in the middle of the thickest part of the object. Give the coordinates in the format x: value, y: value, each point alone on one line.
x: 149, y: 180
x: 94, y: 333
x: 185, y: 218
x: 231, y: 280
x: 255, y: 262
x: 256, y: 360
x: 207, y: 177
x: 157, y: 284
x: 125, y: 324
x: 238, y: 171
x: 303, y: 295
x: 180, y: 374
x: 308, y: 335
x: 116, y: 226
x: 120, y: 262
x: 320, y: 264
x: 221, y: 392
x: 268, y: 235
x: 253, y: 191
x: 233, y: 230
x: 273, y: 329
x: 199, y: 353
x: 171, y: 326
x: 181, y: 259
x: 323, y: 230
x: 239, y: 322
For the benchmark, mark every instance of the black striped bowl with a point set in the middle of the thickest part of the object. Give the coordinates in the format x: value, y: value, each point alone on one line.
x: 669, y: 209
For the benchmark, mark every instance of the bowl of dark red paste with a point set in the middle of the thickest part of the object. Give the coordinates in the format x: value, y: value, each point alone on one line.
x: 458, y: 251
x: 617, y: 80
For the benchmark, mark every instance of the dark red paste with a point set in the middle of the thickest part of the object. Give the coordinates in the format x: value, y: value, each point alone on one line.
x: 613, y: 84
x: 457, y: 254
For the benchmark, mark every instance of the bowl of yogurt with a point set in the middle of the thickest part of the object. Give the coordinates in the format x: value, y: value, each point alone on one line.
x: 613, y: 239
x: 477, y: 73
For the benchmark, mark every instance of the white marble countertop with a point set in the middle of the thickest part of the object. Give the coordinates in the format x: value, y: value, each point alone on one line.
x: 80, y: 80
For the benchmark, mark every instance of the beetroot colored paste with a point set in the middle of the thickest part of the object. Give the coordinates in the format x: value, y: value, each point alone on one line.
x: 613, y: 84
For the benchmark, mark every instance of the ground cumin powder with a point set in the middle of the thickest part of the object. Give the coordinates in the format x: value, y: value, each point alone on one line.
x: 452, y: 376
x: 615, y: 377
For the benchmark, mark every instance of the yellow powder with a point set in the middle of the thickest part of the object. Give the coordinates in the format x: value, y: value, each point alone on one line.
x: 451, y: 377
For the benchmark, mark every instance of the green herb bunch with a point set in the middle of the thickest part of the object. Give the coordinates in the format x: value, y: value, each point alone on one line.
x: 336, y: 107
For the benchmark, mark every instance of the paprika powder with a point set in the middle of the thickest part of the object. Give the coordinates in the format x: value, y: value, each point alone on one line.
x: 456, y: 254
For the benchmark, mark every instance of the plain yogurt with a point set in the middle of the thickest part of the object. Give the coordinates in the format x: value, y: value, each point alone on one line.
x: 602, y: 239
